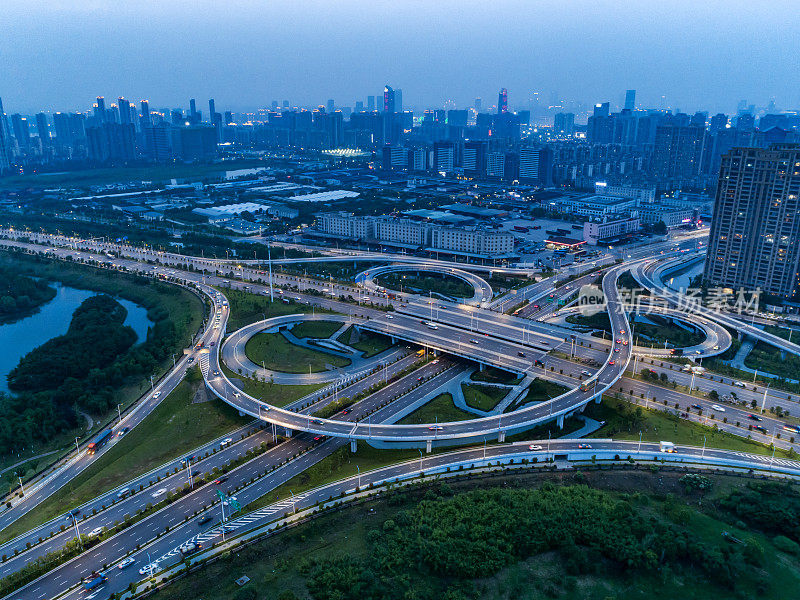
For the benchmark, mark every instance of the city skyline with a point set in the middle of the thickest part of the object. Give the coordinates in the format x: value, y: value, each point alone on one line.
x: 310, y: 52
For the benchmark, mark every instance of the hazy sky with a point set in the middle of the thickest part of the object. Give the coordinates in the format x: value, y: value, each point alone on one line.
x: 59, y: 54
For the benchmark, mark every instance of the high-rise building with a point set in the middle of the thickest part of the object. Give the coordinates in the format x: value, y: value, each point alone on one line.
x: 193, y: 111
x: 43, y: 129
x: 5, y: 152
x: 564, y: 124
x: 630, y: 99
x: 212, y: 109
x: 112, y: 142
x: 754, y: 241
x: 124, y: 110
x: 330, y: 105
x: 389, y: 104
x: 21, y: 132
x: 677, y: 151
x: 145, y: 120
x: 359, y: 106
x: 100, y: 109
x: 535, y: 165
x: 63, y: 130
x: 370, y: 103
x: 502, y: 102
x: 478, y: 105
x: 398, y: 100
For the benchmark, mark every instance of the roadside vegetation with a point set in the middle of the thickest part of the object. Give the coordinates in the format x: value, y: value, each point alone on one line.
x: 275, y: 352
x: 178, y: 424
x: 441, y: 409
x: 587, y: 535
x: 368, y: 342
x: 483, y: 397
x: 423, y: 283
x: 316, y: 329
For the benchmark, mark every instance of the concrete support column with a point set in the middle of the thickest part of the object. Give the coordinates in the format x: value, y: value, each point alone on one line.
x: 560, y: 421
x: 598, y: 398
x: 501, y: 436
x: 394, y: 340
x: 481, y: 366
x: 428, y: 446
x: 583, y: 406
x: 287, y: 433
x: 353, y: 446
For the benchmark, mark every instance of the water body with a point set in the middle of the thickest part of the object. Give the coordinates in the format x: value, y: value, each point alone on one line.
x: 51, y: 320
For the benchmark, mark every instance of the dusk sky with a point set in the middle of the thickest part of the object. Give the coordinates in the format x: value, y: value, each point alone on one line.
x: 706, y: 54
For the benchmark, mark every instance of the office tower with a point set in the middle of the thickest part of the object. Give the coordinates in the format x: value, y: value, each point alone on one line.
x: 228, y: 117
x: 444, y: 156
x: 370, y: 103
x: 176, y: 116
x: 43, y: 129
x: 359, y: 106
x: 398, y: 100
x: 63, y: 131
x: 477, y: 105
x: 4, y: 122
x: 20, y: 126
x: 394, y: 158
x: 330, y: 105
x: 5, y: 152
x: 502, y: 102
x: 158, y: 141
x: 192, y: 111
x: 564, y: 123
x: 212, y: 109
x: 677, y: 151
x: 602, y: 109
x: 600, y: 128
x: 389, y: 104
x: 535, y: 165
x: 144, y: 120
x: 630, y: 99
x: 474, y: 158
x: 754, y: 241
x: 496, y: 165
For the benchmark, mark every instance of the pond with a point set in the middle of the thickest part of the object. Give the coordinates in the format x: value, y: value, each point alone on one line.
x: 51, y: 320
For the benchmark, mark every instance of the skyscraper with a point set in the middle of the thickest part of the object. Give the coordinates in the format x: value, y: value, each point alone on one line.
x: 212, y: 110
x: 398, y: 100
x: 5, y: 153
x: 20, y: 126
x: 388, y: 100
x: 502, y: 102
x: 42, y: 129
x: 370, y: 103
x: 100, y: 109
x: 124, y: 108
x: 630, y: 99
x: 145, y: 118
x: 192, y: 111
x: 478, y: 105
x: 755, y: 233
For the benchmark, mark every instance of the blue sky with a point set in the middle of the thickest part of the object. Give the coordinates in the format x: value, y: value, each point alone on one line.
x: 58, y: 54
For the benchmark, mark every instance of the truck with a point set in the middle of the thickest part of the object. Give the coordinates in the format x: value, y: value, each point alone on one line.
x: 99, y: 441
x: 520, y: 228
x: 94, y: 581
x: 666, y: 447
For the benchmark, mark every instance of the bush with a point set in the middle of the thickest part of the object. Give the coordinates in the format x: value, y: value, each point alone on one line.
x: 784, y: 544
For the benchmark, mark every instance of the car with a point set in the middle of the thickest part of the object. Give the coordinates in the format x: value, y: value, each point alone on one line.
x: 739, y: 384
x: 149, y: 569
x: 95, y: 532
x: 619, y: 341
x: 584, y: 446
x: 190, y: 361
x: 318, y: 438
x: 204, y: 519
x: 534, y: 447
x: 389, y: 317
x: 345, y: 411
x: 716, y: 347
x: 473, y: 341
x: 754, y: 417
x: 718, y: 408
x: 697, y: 406
x: 625, y: 342
x: 219, y: 480
x: 318, y: 422
x: 190, y: 547
x: 157, y: 394
x: 212, y: 344
x: 419, y: 378
x: 123, y: 431
x: 126, y: 562
x: 612, y: 362
x: 616, y: 349
x: 123, y: 492
x: 697, y: 352
x: 216, y: 373
x: 435, y: 428
x: 159, y: 492
x: 585, y: 372
x: 622, y: 332
x: 521, y: 353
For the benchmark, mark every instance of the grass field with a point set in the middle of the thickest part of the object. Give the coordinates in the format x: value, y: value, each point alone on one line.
x: 277, y: 565
x: 248, y: 308
x: 275, y: 352
x: 439, y: 409
x: 368, y: 342
x: 493, y: 375
x: 316, y: 329
x: 483, y: 397
x: 276, y: 395
x: 624, y: 421
x: 87, y: 177
x: 175, y: 426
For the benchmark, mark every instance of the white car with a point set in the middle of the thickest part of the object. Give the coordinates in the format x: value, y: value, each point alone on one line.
x: 127, y: 562
x: 718, y: 408
x: 534, y: 447
x: 95, y: 532
x: 149, y: 568
x: 156, y: 394
x: 159, y: 492
x: 389, y: 317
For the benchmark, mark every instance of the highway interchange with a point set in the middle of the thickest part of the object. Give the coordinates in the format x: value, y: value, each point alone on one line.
x: 459, y: 329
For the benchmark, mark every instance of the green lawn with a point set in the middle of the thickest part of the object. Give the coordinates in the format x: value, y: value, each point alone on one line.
x: 248, y: 308
x: 174, y: 427
x: 276, y: 395
x: 87, y: 177
x: 276, y: 352
x: 315, y: 329
x: 483, y: 397
x: 424, y: 283
x: 439, y: 409
x: 624, y: 421
x: 369, y: 343
x: 493, y: 375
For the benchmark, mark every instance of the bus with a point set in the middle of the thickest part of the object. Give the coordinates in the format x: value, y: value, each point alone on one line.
x: 99, y: 441
x: 94, y: 581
